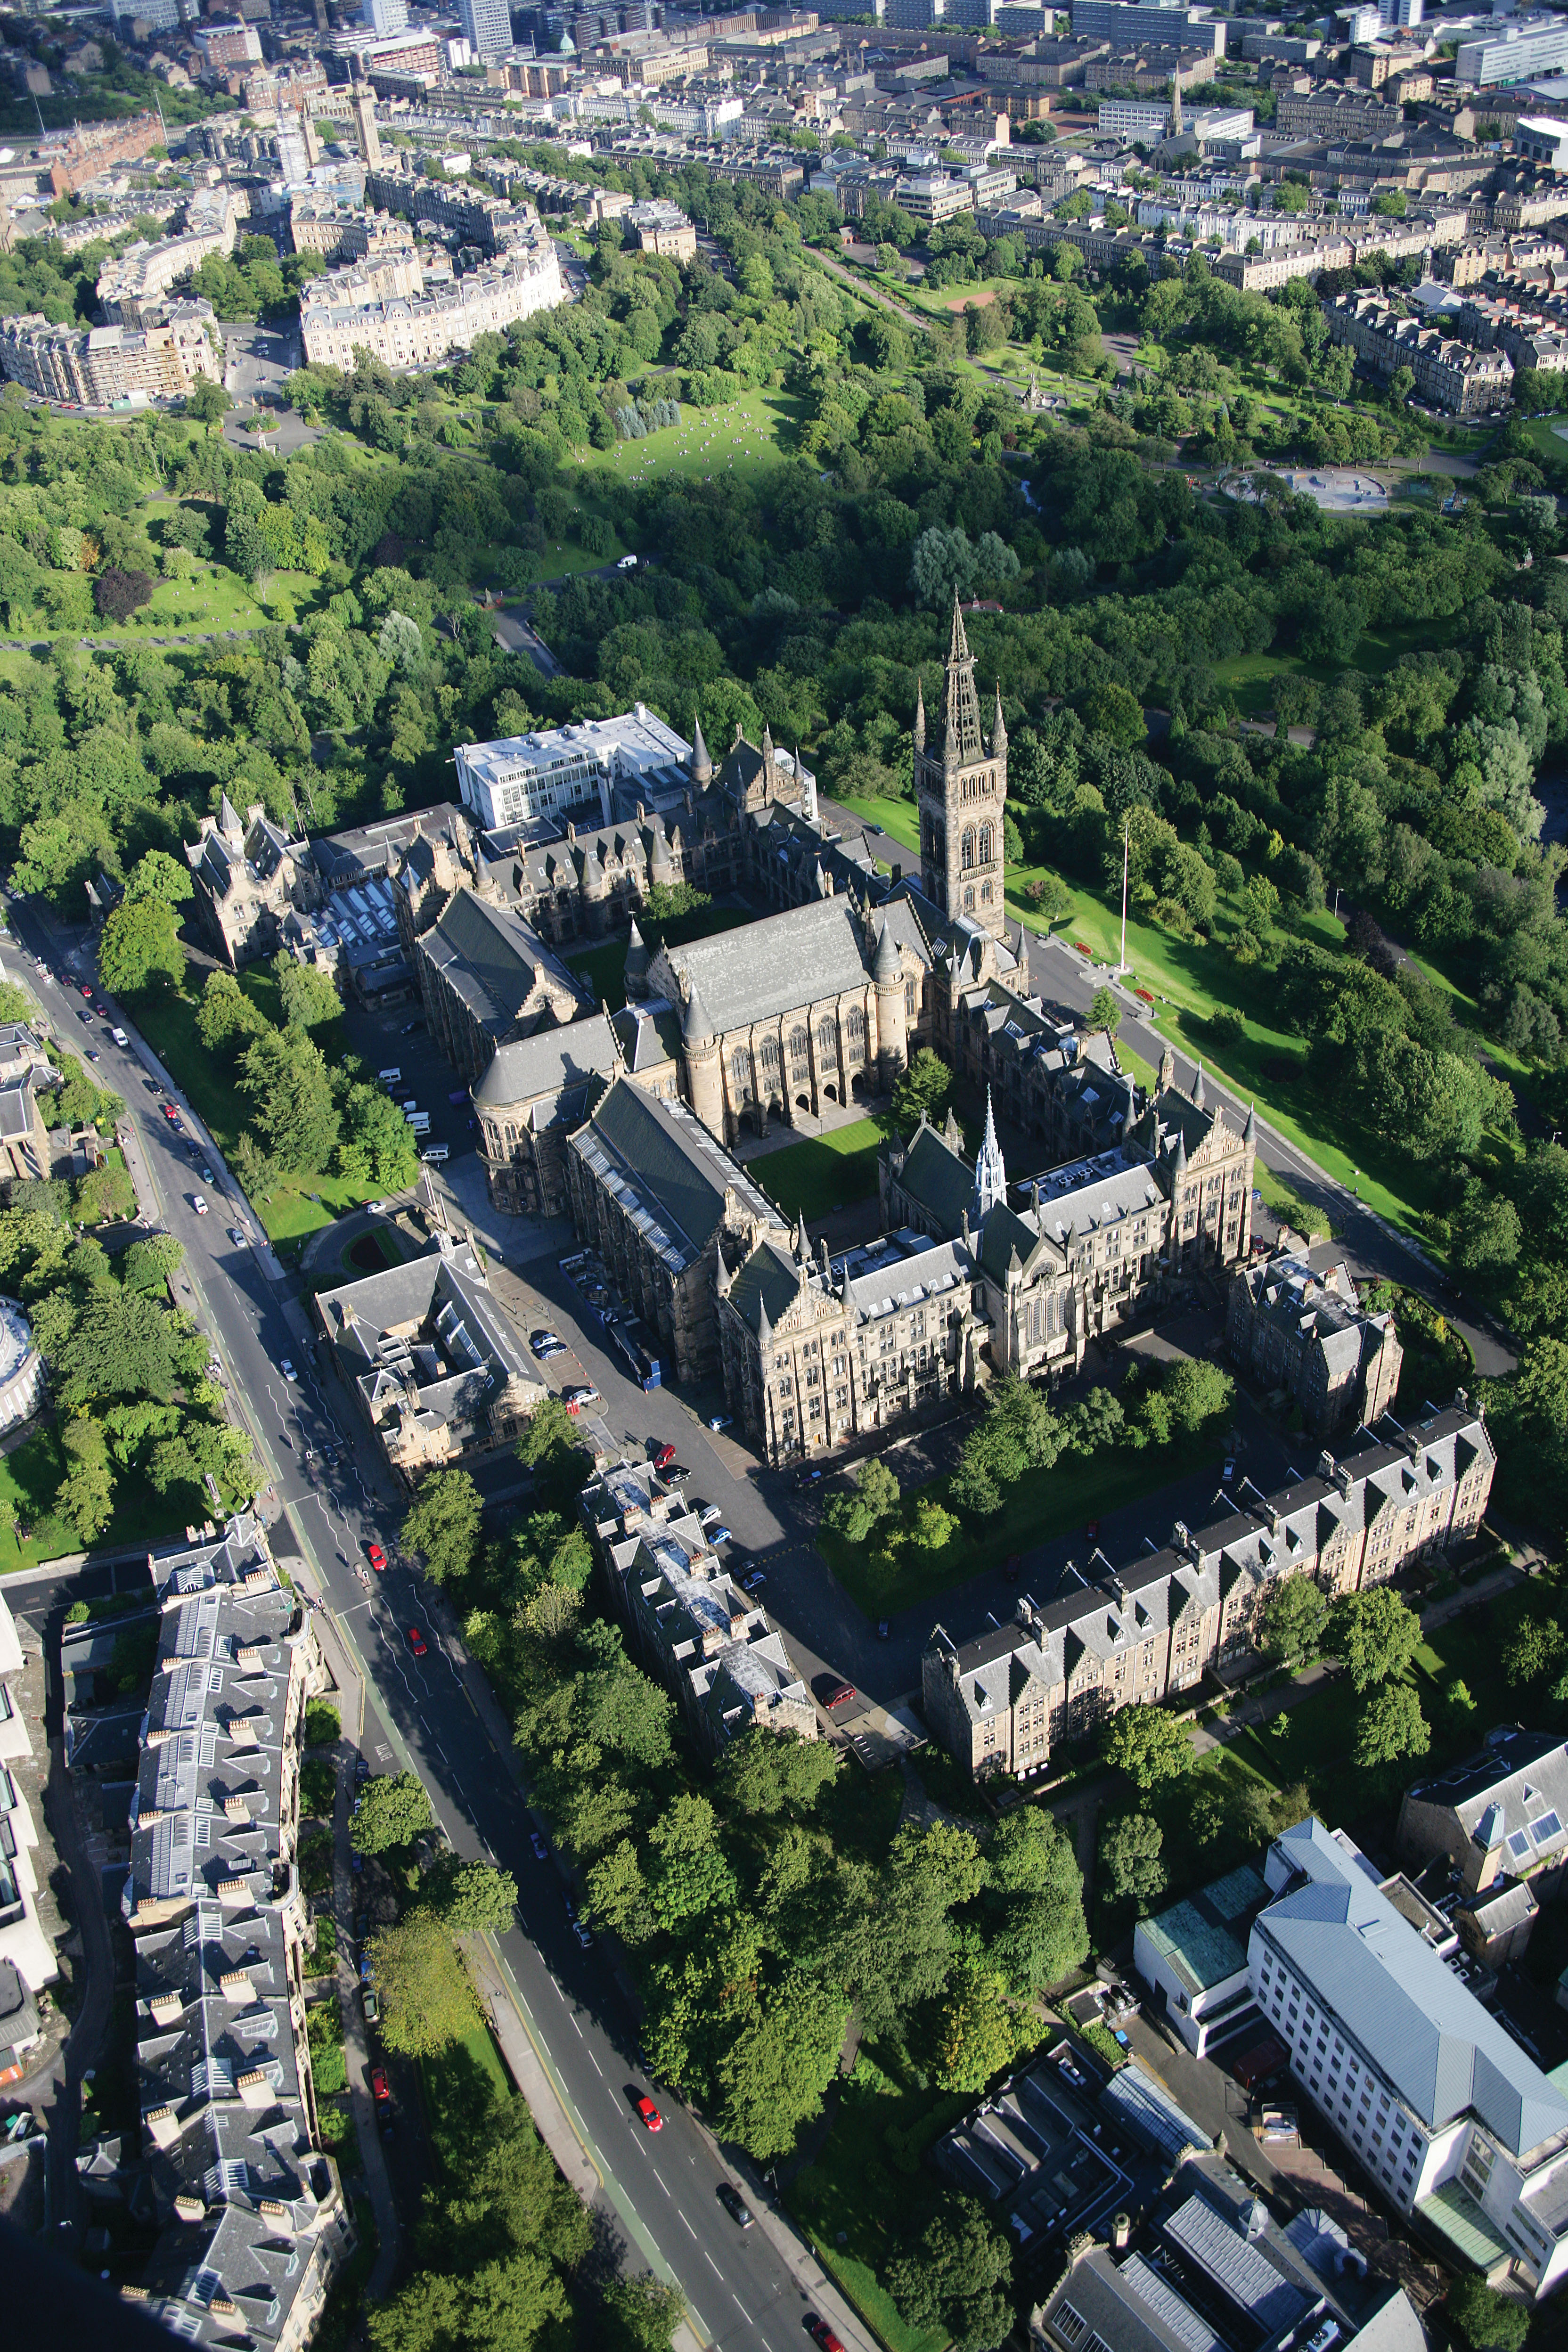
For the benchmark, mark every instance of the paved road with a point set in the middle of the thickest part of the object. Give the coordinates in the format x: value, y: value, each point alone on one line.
x: 657, y: 2193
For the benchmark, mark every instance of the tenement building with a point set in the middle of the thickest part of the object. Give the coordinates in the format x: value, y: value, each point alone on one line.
x: 252, y: 2215
x: 249, y: 878
x: 1151, y: 1630
x: 94, y: 367
x: 1291, y: 1327
x: 708, y: 1641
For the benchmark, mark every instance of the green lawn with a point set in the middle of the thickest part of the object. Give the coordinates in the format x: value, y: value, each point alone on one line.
x: 604, y: 969
x: 826, y: 1171
x: 297, y: 1205
x: 452, y: 2085
x: 857, y: 2208
x: 1042, y: 1505
x: 708, y: 443
x: 29, y: 1479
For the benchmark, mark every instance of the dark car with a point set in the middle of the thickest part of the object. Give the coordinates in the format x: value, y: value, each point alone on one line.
x: 541, y: 1850
x: 735, y: 2205
x: 884, y: 1630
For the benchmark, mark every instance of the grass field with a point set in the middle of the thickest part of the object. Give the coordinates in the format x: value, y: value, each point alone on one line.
x: 297, y: 1205
x: 604, y: 969
x: 824, y: 1173
x: 453, y: 2086
x: 743, y: 437
x: 1042, y: 1506
x: 29, y: 1478
x: 858, y: 2209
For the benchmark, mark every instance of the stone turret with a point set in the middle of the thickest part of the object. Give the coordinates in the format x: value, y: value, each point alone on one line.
x: 704, y: 1077
x: 637, y: 963
x: 892, y: 1021
x: 701, y: 765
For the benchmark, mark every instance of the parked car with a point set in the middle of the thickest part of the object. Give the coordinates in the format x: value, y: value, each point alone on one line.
x: 418, y: 1642
x: 370, y: 2002
x: 198, y: 1204
x: 754, y: 1582
x: 171, y: 1114
x: 710, y: 1514
x: 376, y: 1556
x: 1228, y: 1472
x: 541, y: 1850
x: 237, y: 1236
x: 584, y: 1393
x: 884, y: 1630
x: 366, y: 1968
x: 718, y: 1421
x: 662, y: 1457
x: 839, y: 1695
x: 584, y: 1935
x: 823, y: 2334
x: 286, y: 1366
x: 546, y: 1344
x: 735, y: 2204
x: 380, y: 2088
x: 718, y: 1535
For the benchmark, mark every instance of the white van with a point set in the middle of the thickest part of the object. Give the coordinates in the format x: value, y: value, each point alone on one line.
x: 410, y: 1109
x: 437, y: 1154
x: 120, y: 1036
x: 420, y: 1123
x: 390, y: 1078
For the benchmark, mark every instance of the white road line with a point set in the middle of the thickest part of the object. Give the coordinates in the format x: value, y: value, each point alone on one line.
x: 740, y: 2306
x: 577, y: 2029
x: 690, y: 2230
x: 712, y: 2265
x: 597, y: 2068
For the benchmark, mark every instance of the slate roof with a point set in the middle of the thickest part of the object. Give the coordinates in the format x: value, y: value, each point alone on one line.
x: 936, y: 1174
x: 364, y: 851
x: 462, y: 1347
x: 666, y: 1170
x: 775, y: 966
x: 1099, y: 2297
x: 907, y: 1280
x: 1288, y: 1292
x: 1516, y: 1788
x: 1422, y: 2029
x: 768, y: 1280
x: 552, y: 1062
x: 648, y: 1033
x: 493, y: 961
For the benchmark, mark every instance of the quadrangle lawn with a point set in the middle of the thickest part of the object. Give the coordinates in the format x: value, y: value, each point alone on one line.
x: 824, y: 1173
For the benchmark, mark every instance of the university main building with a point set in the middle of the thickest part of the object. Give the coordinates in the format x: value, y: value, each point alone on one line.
x: 628, y: 1118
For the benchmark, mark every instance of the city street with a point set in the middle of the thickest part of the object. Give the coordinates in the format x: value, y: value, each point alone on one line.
x: 657, y: 2194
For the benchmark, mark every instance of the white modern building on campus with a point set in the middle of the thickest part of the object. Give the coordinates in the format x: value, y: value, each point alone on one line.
x: 1439, y: 2106
x: 521, y: 778
x: 486, y: 26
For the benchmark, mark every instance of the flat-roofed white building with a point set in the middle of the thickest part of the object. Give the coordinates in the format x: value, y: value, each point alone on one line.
x: 520, y: 778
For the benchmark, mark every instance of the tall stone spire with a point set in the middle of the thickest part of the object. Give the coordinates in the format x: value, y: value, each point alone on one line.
x: 990, y: 1172
x: 1249, y: 1132
x: 998, y: 726
x: 961, y: 743
x: 1200, y: 1092
x: 701, y: 765
x: 919, y: 713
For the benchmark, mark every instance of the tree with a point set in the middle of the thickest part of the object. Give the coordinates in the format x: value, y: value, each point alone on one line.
x: 380, y: 1147
x: 116, y: 593
x: 640, y: 2314
x: 156, y: 875
x: 1487, y: 2321
x: 105, y: 1193
x: 140, y: 942
x: 1129, y: 1860
x: 86, y: 1494
x: 954, y: 2280
x: 980, y: 2031
x: 1293, y: 1617
x: 471, y: 1895
x: 688, y: 1877
x: 1147, y: 1744
x: 873, y: 1497
x: 226, y: 1016
x: 207, y: 401
x: 426, y: 2002
x: 394, y: 1811
x: 549, y: 1447
x: 925, y: 1086
x: 1104, y: 1013
x: 505, y: 2306
x: 932, y: 1529
x: 1196, y: 1392
x: 1375, y: 1634
x: 442, y: 1524
x: 151, y: 1263
x: 1532, y: 1648
x: 769, y: 1772
x: 773, y: 2077
x: 309, y: 996
x: 1392, y: 1726
x: 289, y: 1086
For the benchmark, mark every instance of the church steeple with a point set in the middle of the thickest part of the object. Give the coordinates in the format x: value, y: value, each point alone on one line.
x: 990, y: 1173
x: 701, y: 765
x: 998, y: 726
x: 962, y: 741
x: 961, y: 786
x: 919, y: 714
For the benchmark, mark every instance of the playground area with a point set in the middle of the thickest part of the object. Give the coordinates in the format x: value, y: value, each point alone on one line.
x: 1333, y: 487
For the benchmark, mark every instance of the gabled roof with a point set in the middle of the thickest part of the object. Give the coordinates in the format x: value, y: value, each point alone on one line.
x: 494, y: 961
x: 775, y: 966
x: 936, y: 1174
x: 546, y: 1063
x: 1423, y: 2030
x: 666, y: 1170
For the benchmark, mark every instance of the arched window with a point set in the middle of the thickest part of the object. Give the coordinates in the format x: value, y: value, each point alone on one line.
x: 985, y: 893
x: 969, y: 902
x: 985, y: 845
x: 828, y: 1034
x: 966, y: 849
x: 910, y: 1006
x: 855, y: 1026
x: 768, y: 1055
x: 740, y: 1069
x: 799, y: 1044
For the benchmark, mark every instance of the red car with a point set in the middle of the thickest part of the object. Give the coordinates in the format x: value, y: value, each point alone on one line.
x: 171, y: 1114
x: 417, y: 1642
x: 376, y: 1558
x: 86, y: 991
x: 649, y: 2112
x: 380, y: 2087
x: 663, y: 1456
x: 824, y: 2334
x: 840, y: 1696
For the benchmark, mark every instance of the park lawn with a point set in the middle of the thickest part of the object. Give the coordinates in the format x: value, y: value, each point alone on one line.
x: 30, y: 1475
x: 1042, y: 1505
x: 212, y: 598
x: 858, y: 2210
x: 451, y: 2087
x: 298, y: 1204
x: 897, y: 818
x: 603, y: 969
x: 703, y: 445
x: 824, y: 1173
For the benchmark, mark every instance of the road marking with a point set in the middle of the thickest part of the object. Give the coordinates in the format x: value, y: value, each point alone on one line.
x: 690, y: 2230
x: 740, y: 2306
x: 712, y: 2265
x: 597, y: 2068
x: 577, y: 2029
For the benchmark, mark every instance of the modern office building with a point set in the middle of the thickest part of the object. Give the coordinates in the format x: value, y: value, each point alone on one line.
x: 522, y: 777
x: 1514, y: 49
x: 486, y: 26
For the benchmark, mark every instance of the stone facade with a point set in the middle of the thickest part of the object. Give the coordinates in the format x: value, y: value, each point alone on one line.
x: 486, y: 977
x: 249, y: 878
x: 658, y: 1198
x: 1004, y: 1702
x: 1289, y: 1328
x: 961, y: 788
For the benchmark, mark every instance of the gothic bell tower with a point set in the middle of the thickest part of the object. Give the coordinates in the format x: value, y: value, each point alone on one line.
x: 961, y: 786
